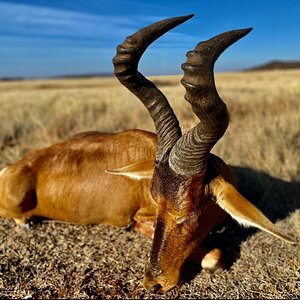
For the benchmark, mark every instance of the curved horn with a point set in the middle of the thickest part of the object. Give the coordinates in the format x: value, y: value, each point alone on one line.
x: 189, y: 154
x: 126, y: 64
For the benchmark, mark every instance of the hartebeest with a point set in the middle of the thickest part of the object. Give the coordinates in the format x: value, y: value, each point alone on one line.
x: 191, y: 190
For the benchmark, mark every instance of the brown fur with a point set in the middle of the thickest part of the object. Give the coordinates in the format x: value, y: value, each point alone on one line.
x: 186, y: 214
x: 67, y: 181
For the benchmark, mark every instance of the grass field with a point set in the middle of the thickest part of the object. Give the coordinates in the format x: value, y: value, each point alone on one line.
x: 71, y: 261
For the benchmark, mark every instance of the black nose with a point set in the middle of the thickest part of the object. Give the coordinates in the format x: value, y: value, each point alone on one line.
x: 155, y: 288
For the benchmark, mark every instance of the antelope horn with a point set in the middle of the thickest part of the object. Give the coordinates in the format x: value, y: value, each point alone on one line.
x: 189, y: 154
x: 126, y: 64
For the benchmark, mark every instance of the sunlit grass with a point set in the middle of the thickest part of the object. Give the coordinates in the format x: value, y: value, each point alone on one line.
x: 264, y: 131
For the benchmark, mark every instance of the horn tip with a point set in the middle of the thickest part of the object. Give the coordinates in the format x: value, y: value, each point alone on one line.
x: 183, y: 19
x: 246, y: 31
x: 189, y: 16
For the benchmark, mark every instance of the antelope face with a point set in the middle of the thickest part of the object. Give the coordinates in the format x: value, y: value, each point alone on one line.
x: 175, y: 229
x: 186, y: 214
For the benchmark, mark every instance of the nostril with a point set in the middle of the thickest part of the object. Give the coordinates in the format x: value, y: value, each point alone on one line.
x: 154, y: 289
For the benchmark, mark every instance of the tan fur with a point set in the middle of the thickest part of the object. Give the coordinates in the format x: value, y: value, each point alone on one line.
x: 67, y: 181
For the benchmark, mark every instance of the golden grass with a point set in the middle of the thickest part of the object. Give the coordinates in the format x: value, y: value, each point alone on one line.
x: 264, y: 107
x: 62, y: 260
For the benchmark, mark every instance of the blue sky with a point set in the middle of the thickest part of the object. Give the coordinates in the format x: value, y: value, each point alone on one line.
x: 56, y: 37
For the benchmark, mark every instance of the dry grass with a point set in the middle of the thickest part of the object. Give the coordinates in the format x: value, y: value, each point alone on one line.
x: 69, y: 261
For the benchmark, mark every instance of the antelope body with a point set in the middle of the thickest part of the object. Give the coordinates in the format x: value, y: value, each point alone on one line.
x: 67, y: 181
x: 169, y: 179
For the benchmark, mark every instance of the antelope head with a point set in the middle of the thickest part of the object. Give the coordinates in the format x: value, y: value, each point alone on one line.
x: 192, y: 188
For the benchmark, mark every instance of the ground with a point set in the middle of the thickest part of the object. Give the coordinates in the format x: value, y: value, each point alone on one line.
x: 59, y: 260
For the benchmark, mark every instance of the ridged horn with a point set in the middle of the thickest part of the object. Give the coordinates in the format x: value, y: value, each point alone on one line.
x: 189, y: 154
x: 126, y: 70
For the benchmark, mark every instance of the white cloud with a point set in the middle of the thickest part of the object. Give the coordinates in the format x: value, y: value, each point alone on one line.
x: 37, y: 20
x: 44, y: 36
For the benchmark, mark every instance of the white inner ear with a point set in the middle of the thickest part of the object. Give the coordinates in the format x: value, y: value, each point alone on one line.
x: 267, y: 225
x: 137, y: 171
x: 240, y: 209
x: 133, y: 175
x: 236, y: 215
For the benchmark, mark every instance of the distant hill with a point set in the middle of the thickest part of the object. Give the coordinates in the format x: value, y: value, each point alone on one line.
x: 277, y: 65
x: 272, y: 65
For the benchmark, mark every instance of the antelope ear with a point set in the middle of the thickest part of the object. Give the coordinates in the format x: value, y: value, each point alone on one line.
x: 137, y: 171
x: 240, y: 209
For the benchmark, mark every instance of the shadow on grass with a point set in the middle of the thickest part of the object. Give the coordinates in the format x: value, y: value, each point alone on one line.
x: 276, y: 198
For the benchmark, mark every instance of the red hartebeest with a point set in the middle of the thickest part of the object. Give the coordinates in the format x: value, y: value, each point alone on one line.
x: 191, y: 190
